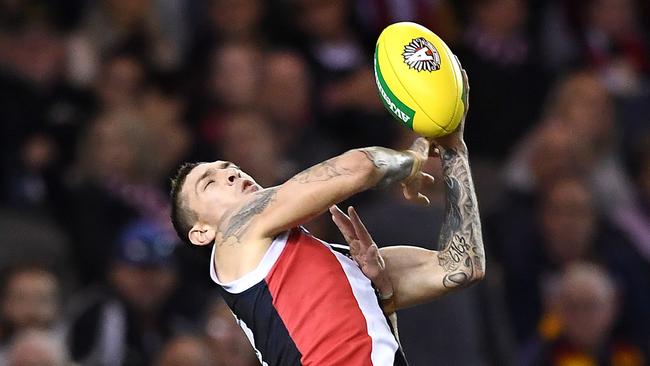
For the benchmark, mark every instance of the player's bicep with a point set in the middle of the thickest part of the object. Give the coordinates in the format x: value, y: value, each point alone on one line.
x: 312, y: 191
x: 416, y: 274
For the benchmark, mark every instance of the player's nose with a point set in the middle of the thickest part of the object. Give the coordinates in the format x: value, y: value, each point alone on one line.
x: 232, y: 175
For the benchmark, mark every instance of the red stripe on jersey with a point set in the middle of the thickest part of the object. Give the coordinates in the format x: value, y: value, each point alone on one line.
x: 315, y: 301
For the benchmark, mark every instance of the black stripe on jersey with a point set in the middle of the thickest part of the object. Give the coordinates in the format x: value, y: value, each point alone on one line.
x: 255, y: 308
x: 400, y: 358
x: 343, y: 249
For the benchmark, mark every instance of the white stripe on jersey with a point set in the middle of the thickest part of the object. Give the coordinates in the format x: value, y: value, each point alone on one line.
x: 257, y: 275
x: 384, y: 344
x: 251, y: 338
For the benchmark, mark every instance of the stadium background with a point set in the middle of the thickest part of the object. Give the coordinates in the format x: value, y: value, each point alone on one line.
x: 101, y: 100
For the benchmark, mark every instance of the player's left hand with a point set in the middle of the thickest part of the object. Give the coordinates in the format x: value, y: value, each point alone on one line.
x: 363, y: 249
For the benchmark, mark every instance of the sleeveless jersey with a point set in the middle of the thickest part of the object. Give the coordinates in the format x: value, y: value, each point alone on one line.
x: 307, y: 303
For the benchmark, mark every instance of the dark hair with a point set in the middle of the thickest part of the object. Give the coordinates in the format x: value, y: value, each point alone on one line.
x: 182, y: 216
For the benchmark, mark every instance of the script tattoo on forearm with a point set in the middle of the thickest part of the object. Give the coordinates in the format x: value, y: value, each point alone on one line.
x: 461, y: 254
x: 239, y: 221
x: 393, y: 165
x: 321, y: 172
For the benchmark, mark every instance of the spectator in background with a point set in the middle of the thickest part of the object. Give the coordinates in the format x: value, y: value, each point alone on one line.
x: 146, y: 26
x: 250, y: 140
x: 438, y: 16
x: 235, y: 20
x: 225, y: 21
x: 582, y: 109
x: 31, y: 237
x: 286, y: 91
x: 615, y: 45
x: 121, y: 82
x: 217, y: 25
x: 226, y: 340
x: 41, y: 113
x: 507, y: 81
x: 338, y: 53
x: 31, y: 300
x: 286, y: 100
x: 568, y: 229
x: 115, y: 181
x: 186, y: 350
x: 128, y: 323
x: 583, y: 305
x: 232, y: 84
x: 634, y: 219
x: 235, y: 74
x: 163, y: 108
x: 37, y: 348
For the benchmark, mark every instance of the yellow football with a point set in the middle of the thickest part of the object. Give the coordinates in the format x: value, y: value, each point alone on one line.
x: 419, y: 79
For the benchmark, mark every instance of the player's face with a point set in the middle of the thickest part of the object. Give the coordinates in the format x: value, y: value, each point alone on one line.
x: 213, y: 188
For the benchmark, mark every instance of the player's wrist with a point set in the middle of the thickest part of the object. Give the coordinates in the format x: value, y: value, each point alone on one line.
x: 453, y: 141
x: 416, y: 166
x: 387, y: 301
x: 385, y: 294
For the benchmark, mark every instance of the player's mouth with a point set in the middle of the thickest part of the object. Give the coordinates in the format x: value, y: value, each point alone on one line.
x: 248, y: 186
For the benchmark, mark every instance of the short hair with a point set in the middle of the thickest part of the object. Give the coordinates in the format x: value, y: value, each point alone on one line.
x: 183, y: 218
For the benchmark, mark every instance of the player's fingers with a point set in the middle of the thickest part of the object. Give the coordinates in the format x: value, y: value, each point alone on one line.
x: 344, y: 224
x: 335, y: 210
x: 428, y: 179
x: 346, y: 234
x: 466, y: 90
x: 421, y: 145
x: 465, y: 79
x: 359, y: 228
x: 457, y: 60
x: 373, y: 253
x: 423, y: 199
x: 409, y: 193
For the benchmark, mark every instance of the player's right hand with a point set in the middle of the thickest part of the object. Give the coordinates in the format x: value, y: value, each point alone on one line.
x: 363, y: 248
x: 414, y: 186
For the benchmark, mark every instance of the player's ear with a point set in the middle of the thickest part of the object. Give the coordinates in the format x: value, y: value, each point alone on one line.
x: 202, y: 234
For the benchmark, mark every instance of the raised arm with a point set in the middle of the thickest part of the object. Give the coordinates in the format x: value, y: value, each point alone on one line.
x: 419, y: 275
x: 314, y: 190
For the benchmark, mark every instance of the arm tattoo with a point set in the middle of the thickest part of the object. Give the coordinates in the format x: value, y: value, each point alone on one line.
x: 321, y: 172
x: 461, y: 255
x: 240, y: 220
x: 394, y: 166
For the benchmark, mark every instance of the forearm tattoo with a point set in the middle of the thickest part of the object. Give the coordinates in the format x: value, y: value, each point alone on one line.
x: 321, y: 172
x: 461, y: 254
x: 239, y: 221
x: 394, y: 166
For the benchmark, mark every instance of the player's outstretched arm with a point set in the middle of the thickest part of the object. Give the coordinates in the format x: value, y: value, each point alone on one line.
x: 313, y: 191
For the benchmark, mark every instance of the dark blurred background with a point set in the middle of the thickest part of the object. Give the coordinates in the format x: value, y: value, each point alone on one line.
x: 101, y: 100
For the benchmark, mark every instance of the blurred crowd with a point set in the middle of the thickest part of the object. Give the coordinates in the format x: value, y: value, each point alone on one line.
x: 100, y: 100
